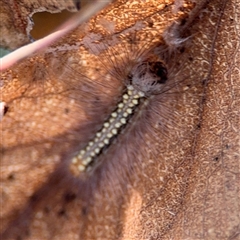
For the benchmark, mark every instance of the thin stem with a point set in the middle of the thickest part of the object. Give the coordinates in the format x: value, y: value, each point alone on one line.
x: 85, y: 14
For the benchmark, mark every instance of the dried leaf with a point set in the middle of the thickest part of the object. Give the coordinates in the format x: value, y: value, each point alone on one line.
x: 182, y: 181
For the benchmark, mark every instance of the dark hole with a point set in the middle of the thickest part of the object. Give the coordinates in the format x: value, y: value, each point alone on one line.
x: 46, y: 22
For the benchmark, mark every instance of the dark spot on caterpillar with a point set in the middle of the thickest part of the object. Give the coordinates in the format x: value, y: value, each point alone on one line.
x: 216, y: 159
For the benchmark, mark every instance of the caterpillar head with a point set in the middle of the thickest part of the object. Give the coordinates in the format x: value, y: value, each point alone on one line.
x: 149, y: 76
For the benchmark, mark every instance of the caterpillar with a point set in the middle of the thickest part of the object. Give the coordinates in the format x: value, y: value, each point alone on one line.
x: 142, y: 81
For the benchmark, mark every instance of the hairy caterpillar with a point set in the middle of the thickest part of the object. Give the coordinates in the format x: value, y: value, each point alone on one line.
x: 141, y: 75
x: 143, y: 80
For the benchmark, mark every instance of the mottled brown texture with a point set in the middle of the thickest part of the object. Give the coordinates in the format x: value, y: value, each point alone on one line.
x: 182, y: 181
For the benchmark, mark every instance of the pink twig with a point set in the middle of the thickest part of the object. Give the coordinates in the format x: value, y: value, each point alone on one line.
x: 85, y: 14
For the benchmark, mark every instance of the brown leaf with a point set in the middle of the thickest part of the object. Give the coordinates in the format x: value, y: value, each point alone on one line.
x: 174, y: 175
